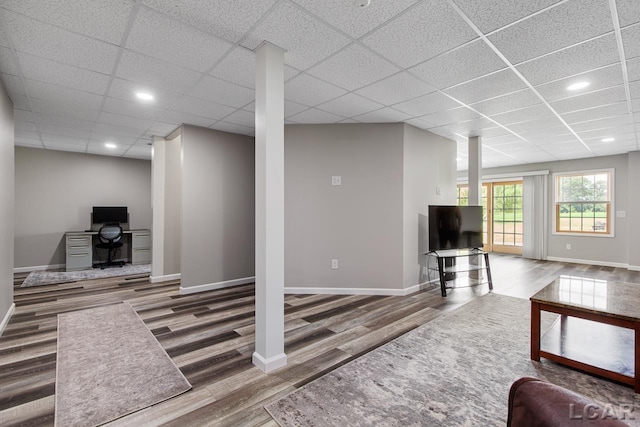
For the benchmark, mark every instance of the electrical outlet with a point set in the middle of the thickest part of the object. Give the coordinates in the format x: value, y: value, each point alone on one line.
x: 568, y: 246
x: 334, y: 264
x: 621, y: 214
x: 336, y: 180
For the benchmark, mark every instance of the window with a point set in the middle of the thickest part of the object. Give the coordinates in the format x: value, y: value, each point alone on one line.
x: 583, y: 202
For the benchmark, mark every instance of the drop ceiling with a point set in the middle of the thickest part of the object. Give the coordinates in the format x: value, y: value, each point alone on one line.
x: 458, y: 68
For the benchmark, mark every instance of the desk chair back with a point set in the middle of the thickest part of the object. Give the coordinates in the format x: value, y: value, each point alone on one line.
x: 110, y: 234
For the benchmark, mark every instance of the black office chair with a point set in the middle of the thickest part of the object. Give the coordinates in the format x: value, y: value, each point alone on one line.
x: 110, y: 236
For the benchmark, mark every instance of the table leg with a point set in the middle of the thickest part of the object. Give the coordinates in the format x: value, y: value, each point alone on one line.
x: 535, y: 331
x: 443, y: 282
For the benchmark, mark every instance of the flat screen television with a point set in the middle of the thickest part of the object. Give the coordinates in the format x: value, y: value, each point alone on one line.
x: 455, y: 227
x: 110, y: 214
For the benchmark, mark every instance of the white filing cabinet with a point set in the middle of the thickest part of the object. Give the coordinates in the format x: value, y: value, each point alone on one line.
x: 79, y: 251
x: 140, y: 247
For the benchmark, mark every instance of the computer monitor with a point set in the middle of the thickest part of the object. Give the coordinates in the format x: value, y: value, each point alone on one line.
x: 110, y: 214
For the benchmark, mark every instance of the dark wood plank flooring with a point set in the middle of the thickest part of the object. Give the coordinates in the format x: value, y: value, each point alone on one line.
x: 210, y: 336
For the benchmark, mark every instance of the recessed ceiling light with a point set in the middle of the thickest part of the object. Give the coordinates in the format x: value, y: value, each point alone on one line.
x: 578, y: 86
x: 145, y: 96
x: 361, y: 3
x: 608, y: 139
x: 110, y: 145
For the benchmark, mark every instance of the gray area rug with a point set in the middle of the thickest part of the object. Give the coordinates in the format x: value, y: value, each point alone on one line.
x: 453, y: 371
x: 38, y: 278
x: 109, y: 365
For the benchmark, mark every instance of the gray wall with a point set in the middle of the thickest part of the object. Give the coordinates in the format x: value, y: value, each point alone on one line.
x: 56, y: 190
x: 633, y: 209
x: 429, y: 179
x: 173, y: 206
x: 218, y: 209
x: 6, y: 202
x: 585, y: 248
x: 360, y: 222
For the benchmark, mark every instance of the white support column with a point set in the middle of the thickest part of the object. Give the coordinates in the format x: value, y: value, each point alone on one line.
x: 158, y: 177
x: 269, y: 352
x: 475, y: 171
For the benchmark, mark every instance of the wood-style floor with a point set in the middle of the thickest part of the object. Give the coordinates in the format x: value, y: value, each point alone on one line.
x: 210, y: 337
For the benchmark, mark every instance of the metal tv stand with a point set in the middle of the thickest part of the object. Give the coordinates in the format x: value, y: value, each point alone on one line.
x: 449, y: 269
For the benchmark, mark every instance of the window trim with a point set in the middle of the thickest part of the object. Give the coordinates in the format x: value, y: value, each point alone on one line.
x: 611, y: 209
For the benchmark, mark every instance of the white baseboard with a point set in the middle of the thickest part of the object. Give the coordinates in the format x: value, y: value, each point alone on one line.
x: 634, y: 267
x: 7, y: 316
x: 589, y: 262
x: 38, y: 268
x: 217, y: 285
x: 165, y: 278
x: 271, y: 364
x: 357, y: 291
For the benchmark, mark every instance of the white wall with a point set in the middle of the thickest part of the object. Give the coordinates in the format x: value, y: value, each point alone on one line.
x: 173, y: 206
x: 218, y: 209
x: 6, y: 205
x: 429, y: 169
x: 601, y: 250
x: 56, y: 190
x: 633, y: 210
x: 359, y: 223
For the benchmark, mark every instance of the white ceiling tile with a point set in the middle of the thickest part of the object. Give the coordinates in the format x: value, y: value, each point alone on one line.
x: 221, y: 92
x: 635, y: 89
x: 509, y: 102
x: 57, y: 130
x: 383, y: 115
x: 443, y: 131
x: 163, y: 129
x: 397, y: 88
x: 501, y: 140
x: 126, y: 91
x: 64, y: 109
x: 59, y: 139
x: 63, y: 121
x: 14, y: 85
x: 114, y: 131
x: 48, y: 41
x: 426, y: 104
x: 307, y: 40
x: 229, y: 20
x: 233, y: 128
x: 494, y: 132
x: 420, y: 123
x: 594, y: 113
x: 573, y: 60
x: 446, y: 117
x: 602, y: 78
x: 350, y: 105
x: 547, y: 122
x: 353, y: 20
x: 28, y: 142
x: 349, y: 121
x: 523, y: 114
x: 633, y: 69
x: 27, y: 133
x: 291, y: 108
x: 243, y: 118
x: 470, y: 127
x: 628, y: 12
x: 631, y: 41
x: 556, y: 28
x: 307, y: 90
x: 186, y: 118
x: 138, y: 152
x: 154, y: 73
x: 47, y: 71
x: 54, y: 94
x: 202, y: 108
x: 612, y: 122
x: 467, y: 62
x: 124, y: 141
x: 486, y: 87
x: 20, y: 101
x: 603, y: 133
x: 23, y: 115
x: 8, y: 64
x: 353, y: 68
x: 104, y: 20
x: 238, y: 67
x: 489, y: 16
x: 60, y: 146
x: 425, y: 31
x: 104, y: 151
x: 591, y: 99
x: 619, y: 138
x: 29, y: 126
x: 125, y: 121
x: 133, y: 109
x: 316, y: 116
x: 635, y: 105
x: 161, y: 37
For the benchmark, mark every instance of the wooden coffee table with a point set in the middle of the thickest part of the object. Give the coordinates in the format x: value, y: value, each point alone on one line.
x: 574, y: 342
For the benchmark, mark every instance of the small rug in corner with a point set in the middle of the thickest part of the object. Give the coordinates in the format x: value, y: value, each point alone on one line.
x: 109, y: 365
x: 38, y: 278
x: 454, y: 371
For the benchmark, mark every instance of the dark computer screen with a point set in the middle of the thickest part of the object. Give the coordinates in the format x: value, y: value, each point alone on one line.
x: 110, y: 214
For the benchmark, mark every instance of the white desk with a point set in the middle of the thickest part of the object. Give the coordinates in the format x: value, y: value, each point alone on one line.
x: 79, y: 246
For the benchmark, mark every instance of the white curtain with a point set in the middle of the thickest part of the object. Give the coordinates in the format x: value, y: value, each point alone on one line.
x: 535, y: 219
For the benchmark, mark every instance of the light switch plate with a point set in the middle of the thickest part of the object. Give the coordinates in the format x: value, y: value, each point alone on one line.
x: 621, y: 214
x: 336, y: 180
